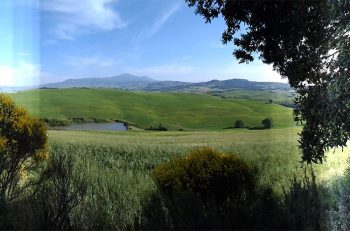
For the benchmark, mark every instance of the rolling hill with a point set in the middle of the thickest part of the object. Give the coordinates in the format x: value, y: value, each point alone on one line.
x: 173, y: 110
x: 124, y: 81
x: 136, y: 83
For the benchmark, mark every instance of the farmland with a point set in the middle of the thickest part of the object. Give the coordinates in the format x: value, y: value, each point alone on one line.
x: 115, y: 168
x: 173, y: 110
x: 276, y: 148
x: 118, y: 164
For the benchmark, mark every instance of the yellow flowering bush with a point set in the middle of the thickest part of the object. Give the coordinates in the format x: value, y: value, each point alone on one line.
x: 207, y: 189
x: 22, y: 149
x: 207, y: 173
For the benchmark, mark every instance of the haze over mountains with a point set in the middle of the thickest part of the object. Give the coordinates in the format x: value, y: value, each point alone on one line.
x: 143, y: 83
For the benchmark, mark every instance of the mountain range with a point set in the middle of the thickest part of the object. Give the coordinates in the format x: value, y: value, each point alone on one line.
x: 143, y: 83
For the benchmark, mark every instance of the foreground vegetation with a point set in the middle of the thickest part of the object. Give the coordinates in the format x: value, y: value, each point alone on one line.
x: 173, y: 110
x: 103, y: 180
x: 275, y: 151
x: 116, y: 167
x: 133, y: 180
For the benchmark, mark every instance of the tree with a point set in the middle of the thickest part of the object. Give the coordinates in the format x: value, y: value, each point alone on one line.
x: 307, y: 42
x: 239, y: 124
x: 22, y: 150
x: 267, y: 123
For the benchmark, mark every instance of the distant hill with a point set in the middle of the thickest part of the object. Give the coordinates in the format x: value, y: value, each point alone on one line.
x: 123, y: 81
x: 136, y: 83
x: 172, y: 110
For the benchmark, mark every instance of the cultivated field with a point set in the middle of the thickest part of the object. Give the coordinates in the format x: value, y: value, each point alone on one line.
x: 173, y: 110
x: 275, y: 151
x: 117, y: 165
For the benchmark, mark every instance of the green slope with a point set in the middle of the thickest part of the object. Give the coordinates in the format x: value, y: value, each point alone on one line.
x: 281, y: 97
x: 173, y: 110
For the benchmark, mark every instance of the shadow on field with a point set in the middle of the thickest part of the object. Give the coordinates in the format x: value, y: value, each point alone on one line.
x: 256, y: 128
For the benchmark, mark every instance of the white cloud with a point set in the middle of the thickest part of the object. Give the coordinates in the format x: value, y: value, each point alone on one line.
x: 74, y: 17
x: 163, y: 19
x: 159, y: 23
x: 23, y: 74
x: 93, y: 61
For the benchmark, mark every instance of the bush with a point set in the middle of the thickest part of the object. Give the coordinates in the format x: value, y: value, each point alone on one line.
x: 206, y: 172
x: 159, y: 128
x: 339, y: 212
x: 23, y: 154
x: 239, y: 124
x: 61, y: 191
x: 207, y: 189
x: 267, y: 123
x: 306, y: 204
x: 22, y: 150
x: 56, y: 122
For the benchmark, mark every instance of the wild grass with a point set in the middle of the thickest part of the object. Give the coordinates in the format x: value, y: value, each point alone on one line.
x: 117, y: 165
x: 102, y: 181
x: 275, y: 151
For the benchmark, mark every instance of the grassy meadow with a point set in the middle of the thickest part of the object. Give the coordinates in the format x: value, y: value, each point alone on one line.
x: 277, y: 96
x: 118, y: 164
x: 173, y: 110
x: 108, y: 174
x: 275, y: 151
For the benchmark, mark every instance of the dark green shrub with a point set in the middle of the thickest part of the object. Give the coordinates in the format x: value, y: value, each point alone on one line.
x: 205, y: 172
x: 239, y: 124
x: 267, y: 123
x: 207, y: 189
x: 5, y: 216
x: 82, y: 120
x: 159, y: 128
x: 339, y: 212
x: 60, y: 192
x: 56, y: 122
x: 305, y: 204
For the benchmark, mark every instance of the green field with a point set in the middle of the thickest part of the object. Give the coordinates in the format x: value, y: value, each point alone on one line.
x: 275, y: 151
x: 173, y: 110
x: 117, y: 165
x: 277, y: 96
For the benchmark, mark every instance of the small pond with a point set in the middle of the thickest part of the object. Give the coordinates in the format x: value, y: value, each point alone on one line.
x: 96, y: 127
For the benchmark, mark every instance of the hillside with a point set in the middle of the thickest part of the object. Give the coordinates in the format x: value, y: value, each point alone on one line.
x: 137, y: 83
x: 172, y: 110
x: 124, y: 81
x: 281, y: 97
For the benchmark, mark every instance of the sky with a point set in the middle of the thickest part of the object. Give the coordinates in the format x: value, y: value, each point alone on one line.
x: 44, y: 41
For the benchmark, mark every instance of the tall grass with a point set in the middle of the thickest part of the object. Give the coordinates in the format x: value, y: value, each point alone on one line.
x: 116, y: 168
x: 110, y: 177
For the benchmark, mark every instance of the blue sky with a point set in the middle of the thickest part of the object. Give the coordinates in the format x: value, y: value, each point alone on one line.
x: 52, y: 40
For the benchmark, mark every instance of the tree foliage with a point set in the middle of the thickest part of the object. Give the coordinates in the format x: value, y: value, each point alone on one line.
x: 307, y: 42
x: 239, y: 124
x: 22, y: 149
x: 267, y: 123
